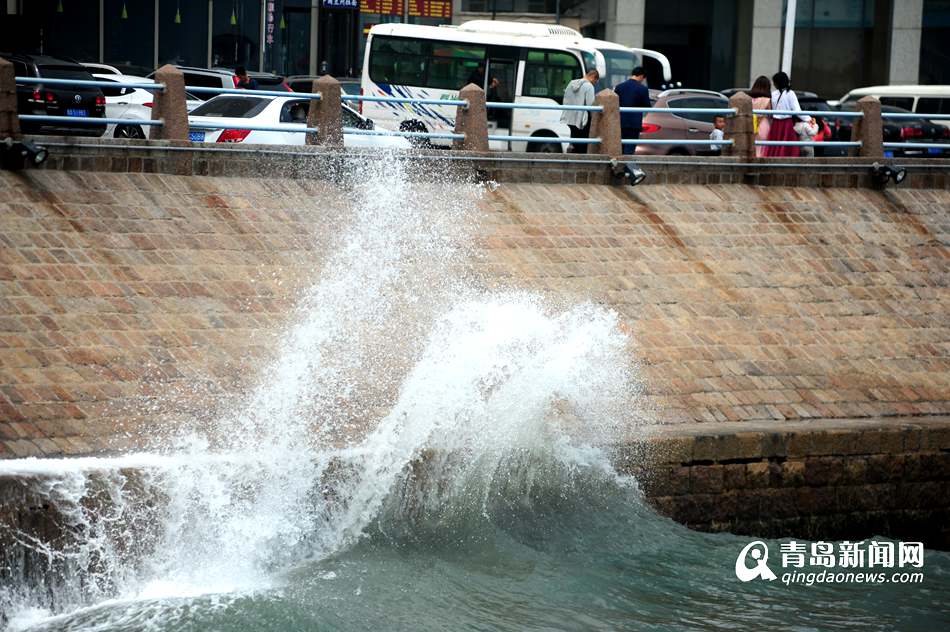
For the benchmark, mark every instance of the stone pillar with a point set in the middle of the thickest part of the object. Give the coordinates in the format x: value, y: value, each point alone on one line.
x: 625, y: 22
x: 324, y: 113
x: 740, y: 128
x: 766, y: 50
x: 472, y: 121
x: 169, y: 106
x: 9, y: 123
x: 904, y: 60
x: 869, y: 129
x: 606, y: 125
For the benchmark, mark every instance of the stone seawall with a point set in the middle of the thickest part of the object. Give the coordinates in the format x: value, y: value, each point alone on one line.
x: 129, y: 302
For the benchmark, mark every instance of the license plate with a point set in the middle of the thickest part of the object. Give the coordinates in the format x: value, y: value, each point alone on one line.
x: 934, y: 150
x: 75, y: 112
x: 196, y: 137
x: 888, y: 154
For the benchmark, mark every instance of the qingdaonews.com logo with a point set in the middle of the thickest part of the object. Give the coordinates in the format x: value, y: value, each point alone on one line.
x: 870, y: 562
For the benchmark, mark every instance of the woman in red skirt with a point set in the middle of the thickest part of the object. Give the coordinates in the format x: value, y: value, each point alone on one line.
x: 783, y: 125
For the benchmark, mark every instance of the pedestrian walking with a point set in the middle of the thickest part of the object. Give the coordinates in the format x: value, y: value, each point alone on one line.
x: 782, y: 127
x: 579, y: 92
x: 633, y: 94
x: 761, y: 94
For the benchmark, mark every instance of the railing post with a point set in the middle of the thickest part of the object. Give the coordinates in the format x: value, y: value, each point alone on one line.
x: 472, y: 121
x: 9, y: 123
x: 324, y: 114
x: 605, y: 125
x: 169, y: 105
x: 869, y: 129
x: 740, y: 128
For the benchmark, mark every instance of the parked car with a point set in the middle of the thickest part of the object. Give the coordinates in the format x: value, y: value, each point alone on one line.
x: 677, y: 127
x: 920, y: 99
x: 225, y: 78
x: 56, y: 100
x: 209, y: 122
x: 916, y: 130
x: 132, y: 103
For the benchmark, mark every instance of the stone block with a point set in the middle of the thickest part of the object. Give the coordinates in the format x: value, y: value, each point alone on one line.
x: 324, y: 114
x: 705, y: 479
x: 169, y: 105
x: 472, y: 121
x: 605, y: 125
x: 9, y: 120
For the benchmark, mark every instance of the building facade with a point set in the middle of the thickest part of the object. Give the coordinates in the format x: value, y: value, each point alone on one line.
x: 713, y: 44
x: 717, y: 44
x: 283, y: 36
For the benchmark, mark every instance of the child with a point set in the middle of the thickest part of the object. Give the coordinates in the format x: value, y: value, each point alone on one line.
x: 719, y: 124
x: 807, y: 129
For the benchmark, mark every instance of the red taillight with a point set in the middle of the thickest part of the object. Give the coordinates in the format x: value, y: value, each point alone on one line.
x: 359, y: 104
x: 149, y: 104
x: 233, y: 135
x: 650, y: 128
x: 50, y: 97
x: 946, y: 131
x: 236, y: 80
x: 100, y: 100
x: 37, y: 96
x: 911, y: 132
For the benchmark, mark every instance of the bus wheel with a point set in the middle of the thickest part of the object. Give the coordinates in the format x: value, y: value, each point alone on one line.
x: 416, y: 126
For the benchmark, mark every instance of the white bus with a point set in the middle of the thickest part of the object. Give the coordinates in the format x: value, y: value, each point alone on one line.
x: 532, y: 63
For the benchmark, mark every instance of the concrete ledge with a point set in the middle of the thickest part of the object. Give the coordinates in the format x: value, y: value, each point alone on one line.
x: 820, y: 479
x: 208, y: 159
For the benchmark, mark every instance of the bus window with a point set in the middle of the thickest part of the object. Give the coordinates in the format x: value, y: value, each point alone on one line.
x: 547, y: 73
x: 620, y: 64
x: 423, y: 63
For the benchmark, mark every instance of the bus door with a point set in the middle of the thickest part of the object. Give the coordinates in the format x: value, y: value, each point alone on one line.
x: 501, y: 75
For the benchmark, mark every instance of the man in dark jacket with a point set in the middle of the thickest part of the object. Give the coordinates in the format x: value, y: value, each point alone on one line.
x: 634, y: 94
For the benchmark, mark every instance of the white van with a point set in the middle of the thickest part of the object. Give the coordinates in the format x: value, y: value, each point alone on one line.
x: 922, y: 99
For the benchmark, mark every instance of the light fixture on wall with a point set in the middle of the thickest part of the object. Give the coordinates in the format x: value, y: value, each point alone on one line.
x: 59, y: 6
x: 178, y: 13
x: 125, y: 13
x: 283, y: 24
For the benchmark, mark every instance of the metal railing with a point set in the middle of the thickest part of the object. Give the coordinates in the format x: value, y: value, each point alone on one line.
x: 461, y: 103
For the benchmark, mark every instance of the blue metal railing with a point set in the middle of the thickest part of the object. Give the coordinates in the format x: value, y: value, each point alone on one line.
x: 544, y: 139
x: 87, y: 83
x: 253, y: 93
x: 674, y: 141
x: 644, y: 110
x: 821, y: 113
x: 914, y: 115
x: 383, y: 99
x: 500, y: 105
x: 808, y: 143
x: 87, y: 120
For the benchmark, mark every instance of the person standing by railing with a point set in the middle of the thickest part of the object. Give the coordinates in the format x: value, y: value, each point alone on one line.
x: 782, y: 127
x: 579, y: 92
x: 761, y: 94
x: 633, y: 94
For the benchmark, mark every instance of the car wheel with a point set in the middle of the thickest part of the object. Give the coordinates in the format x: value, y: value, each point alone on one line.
x: 544, y: 148
x: 129, y: 131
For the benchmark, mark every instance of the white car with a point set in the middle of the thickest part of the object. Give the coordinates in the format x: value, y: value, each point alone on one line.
x: 219, y: 120
x: 131, y: 103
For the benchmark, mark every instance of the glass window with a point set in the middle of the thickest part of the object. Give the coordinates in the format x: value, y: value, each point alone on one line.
x: 547, y: 73
x: 619, y: 66
x: 425, y: 63
x: 110, y: 92
x: 350, y: 119
x: 232, y: 107
x: 906, y: 103
x: 183, y: 33
x: 931, y: 105
x: 129, y: 32
x: 700, y: 102
x: 64, y: 28
x: 64, y: 72
x: 20, y: 69
x: 294, y: 112
x: 236, y: 39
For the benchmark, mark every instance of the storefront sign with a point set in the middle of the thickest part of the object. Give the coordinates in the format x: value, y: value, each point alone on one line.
x: 341, y: 4
x: 417, y: 8
x: 270, y: 23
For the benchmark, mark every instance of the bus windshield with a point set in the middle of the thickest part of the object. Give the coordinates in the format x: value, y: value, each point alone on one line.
x: 619, y: 65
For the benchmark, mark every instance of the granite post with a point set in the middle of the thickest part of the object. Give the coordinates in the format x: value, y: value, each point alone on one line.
x: 324, y: 114
x: 169, y: 105
x: 740, y: 128
x: 9, y: 123
x: 472, y: 121
x: 605, y: 125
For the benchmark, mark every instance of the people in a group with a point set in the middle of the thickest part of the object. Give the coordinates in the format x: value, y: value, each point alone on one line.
x: 807, y: 131
x: 632, y: 93
x: 782, y: 127
x: 244, y: 81
x: 579, y: 92
x: 761, y: 94
x: 719, y: 126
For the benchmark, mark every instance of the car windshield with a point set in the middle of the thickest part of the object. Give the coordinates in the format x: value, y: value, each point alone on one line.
x: 620, y: 63
x: 65, y: 72
x: 232, y: 107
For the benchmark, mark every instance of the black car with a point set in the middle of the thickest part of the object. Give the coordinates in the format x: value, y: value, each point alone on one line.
x: 56, y: 100
x: 903, y: 130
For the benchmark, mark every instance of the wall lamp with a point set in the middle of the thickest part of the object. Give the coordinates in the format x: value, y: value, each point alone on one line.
x: 14, y: 155
x: 881, y: 174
